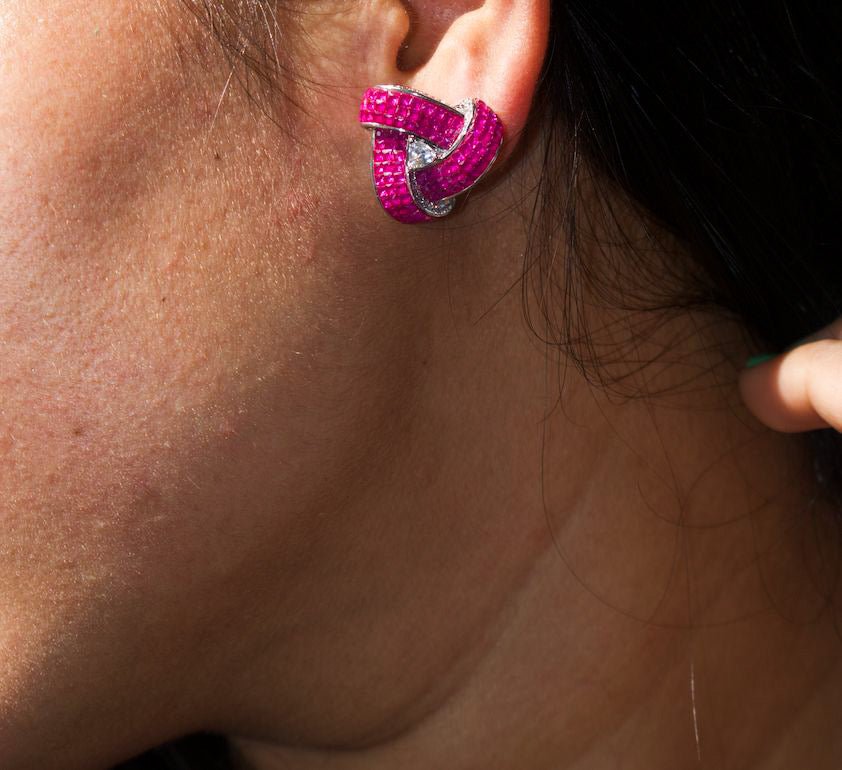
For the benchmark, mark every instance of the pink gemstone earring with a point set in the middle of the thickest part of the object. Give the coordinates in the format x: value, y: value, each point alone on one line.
x: 424, y: 152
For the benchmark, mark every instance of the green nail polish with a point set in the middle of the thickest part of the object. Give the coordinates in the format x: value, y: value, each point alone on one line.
x: 758, y: 359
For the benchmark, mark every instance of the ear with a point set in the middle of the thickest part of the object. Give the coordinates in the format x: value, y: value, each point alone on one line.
x: 490, y: 49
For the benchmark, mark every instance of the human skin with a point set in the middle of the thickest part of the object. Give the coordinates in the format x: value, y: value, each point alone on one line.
x: 798, y: 389
x: 274, y: 465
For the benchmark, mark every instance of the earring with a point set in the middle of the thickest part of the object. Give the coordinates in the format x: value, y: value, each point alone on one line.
x: 424, y: 152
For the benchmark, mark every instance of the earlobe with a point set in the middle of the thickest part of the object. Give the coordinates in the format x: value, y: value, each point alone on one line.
x: 493, y: 52
x: 438, y: 129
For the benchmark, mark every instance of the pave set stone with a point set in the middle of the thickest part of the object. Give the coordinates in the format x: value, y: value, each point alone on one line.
x: 424, y: 153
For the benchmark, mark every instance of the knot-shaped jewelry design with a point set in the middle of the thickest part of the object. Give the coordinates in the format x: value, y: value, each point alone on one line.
x: 424, y: 152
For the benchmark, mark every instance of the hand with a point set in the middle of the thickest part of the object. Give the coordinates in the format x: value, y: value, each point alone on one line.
x: 801, y: 388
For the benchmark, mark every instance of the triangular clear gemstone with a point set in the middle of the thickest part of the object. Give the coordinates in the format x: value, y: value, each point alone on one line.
x: 420, y: 153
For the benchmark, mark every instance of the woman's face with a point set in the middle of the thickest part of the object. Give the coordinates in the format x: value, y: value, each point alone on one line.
x: 261, y: 449
x: 203, y: 354
x: 214, y: 378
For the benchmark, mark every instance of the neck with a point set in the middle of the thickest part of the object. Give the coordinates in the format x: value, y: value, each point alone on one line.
x: 642, y: 580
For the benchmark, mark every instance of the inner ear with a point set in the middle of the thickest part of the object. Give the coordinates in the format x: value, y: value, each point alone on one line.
x: 428, y: 21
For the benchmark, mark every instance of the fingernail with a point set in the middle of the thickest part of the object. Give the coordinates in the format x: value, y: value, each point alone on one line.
x: 758, y: 359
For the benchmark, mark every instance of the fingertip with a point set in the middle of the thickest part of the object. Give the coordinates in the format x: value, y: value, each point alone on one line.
x: 778, y: 390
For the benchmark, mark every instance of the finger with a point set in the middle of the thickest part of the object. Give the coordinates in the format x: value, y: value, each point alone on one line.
x: 800, y: 389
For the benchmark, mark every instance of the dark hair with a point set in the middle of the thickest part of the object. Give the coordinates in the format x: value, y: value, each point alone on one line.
x: 721, y: 121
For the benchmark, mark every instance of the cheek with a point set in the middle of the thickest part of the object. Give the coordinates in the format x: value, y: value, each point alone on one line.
x: 181, y: 381
x: 132, y: 349
x: 80, y: 325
